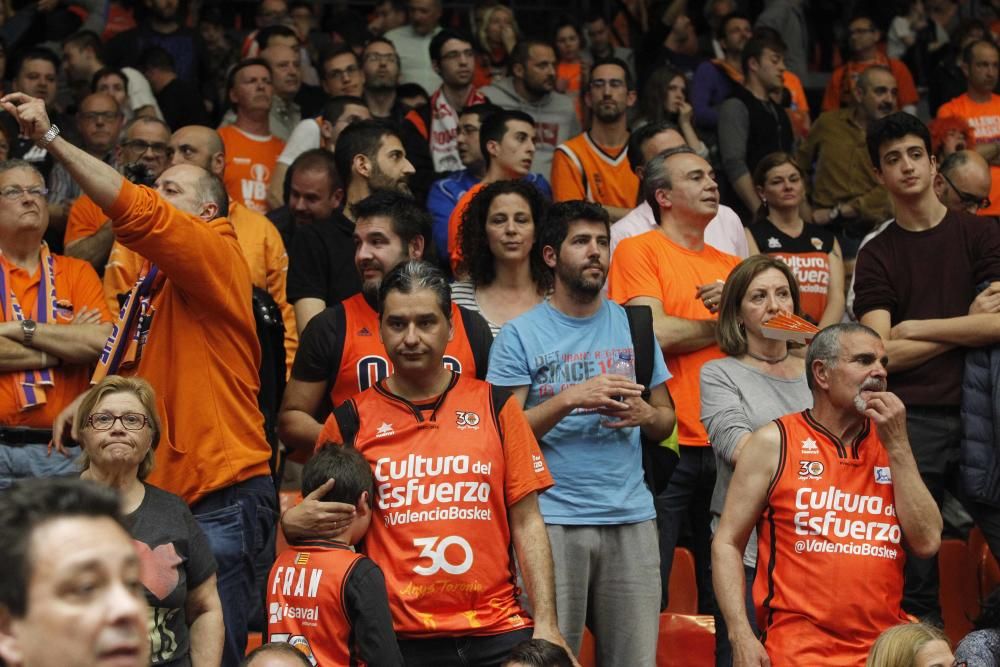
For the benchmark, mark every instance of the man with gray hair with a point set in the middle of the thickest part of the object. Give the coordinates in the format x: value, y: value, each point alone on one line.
x: 200, y: 356
x: 52, y: 328
x: 674, y: 272
x: 833, y: 492
x: 963, y: 182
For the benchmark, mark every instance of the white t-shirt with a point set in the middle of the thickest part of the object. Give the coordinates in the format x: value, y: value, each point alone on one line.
x: 140, y: 93
x: 305, y: 136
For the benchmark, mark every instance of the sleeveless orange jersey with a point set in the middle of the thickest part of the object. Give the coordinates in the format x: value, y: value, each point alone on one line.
x: 830, y: 569
x: 364, y: 360
x: 250, y: 161
x: 305, y: 601
x: 445, y: 474
x: 582, y: 169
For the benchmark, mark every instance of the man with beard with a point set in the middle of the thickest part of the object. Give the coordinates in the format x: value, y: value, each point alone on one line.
x: 371, y: 155
x: 843, y: 190
x: 673, y: 271
x: 530, y: 88
x: 928, y: 318
x: 340, y: 352
x: 980, y: 106
x: 251, y: 149
x: 594, y: 166
x: 561, y: 361
x: 833, y: 493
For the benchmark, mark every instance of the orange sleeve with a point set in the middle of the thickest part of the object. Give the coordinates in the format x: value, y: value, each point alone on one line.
x: 633, y: 272
x: 947, y: 110
x: 525, y: 466
x: 329, y: 434
x: 794, y: 85
x: 120, y: 274
x: 85, y: 219
x: 907, y: 89
x: 566, y: 180
x: 831, y: 98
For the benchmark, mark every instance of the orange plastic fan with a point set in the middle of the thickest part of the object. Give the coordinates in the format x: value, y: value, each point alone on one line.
x: 790, y: 328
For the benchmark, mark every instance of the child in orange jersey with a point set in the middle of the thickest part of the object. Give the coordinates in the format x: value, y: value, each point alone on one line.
x: 323, y: 597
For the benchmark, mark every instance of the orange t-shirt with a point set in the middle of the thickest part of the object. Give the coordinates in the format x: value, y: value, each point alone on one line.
x: 455, y: 223
x: 445, y: 475
x: 572, y: 74
x: 799, y: 111
x: 77, y: 287
x: 830, y: 570
x: 583, y: 169
x: 840, y: 89
x: 202, y: 352
x: 250, y: 161
x: 652, y: 265
x: 85, y: 219
x: 984, y: 119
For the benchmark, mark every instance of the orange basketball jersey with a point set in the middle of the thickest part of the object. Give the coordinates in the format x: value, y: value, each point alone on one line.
x: 830, y: 565
x: 250, y: 161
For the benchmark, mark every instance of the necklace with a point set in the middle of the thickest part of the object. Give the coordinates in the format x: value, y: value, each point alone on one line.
x: 768, y: 360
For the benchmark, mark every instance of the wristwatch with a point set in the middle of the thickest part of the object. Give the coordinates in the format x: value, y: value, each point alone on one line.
x: 49, y: 136
x: 28, y: 327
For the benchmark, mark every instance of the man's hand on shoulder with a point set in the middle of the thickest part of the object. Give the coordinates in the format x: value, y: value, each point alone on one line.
x: 315, y: 518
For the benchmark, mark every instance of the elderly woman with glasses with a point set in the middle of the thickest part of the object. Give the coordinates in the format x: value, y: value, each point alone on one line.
x: 119, y: 430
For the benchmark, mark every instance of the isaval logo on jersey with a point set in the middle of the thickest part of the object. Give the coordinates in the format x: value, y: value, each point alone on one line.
x: 883, y: 475
x: 467, y: 420
x: 811, y: 469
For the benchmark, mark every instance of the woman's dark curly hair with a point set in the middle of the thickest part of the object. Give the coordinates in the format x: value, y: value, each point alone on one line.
x: 477, y: 259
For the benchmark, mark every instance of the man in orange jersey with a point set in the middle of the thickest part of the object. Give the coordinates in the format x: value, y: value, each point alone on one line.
x: 673, y: 271
x: 340, y: 353
x: 457, y: 477
x: 594, y: 165
x: 52, y: 328
x: 145, y: 142
x: 834, y: 492
x: 187, y: 327
x: 980, y: 106
x: 251, y: 150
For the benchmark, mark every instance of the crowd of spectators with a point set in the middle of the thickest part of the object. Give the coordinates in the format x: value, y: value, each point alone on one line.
x: 520, y: 263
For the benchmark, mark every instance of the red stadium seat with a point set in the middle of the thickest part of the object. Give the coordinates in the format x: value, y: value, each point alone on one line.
x: 254, y: 640
x: 959, y: 591
x: 685, y: 640
x: 683, y: 584
x: 588, y: 650
x: 988, y: 570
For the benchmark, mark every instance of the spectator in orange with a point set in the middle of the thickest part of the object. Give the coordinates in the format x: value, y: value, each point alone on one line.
x: 980, y: 106
x: 251, y: 150
x: 677, y: 275
x: 200, y: 356
x: 863, y: 38
x: 53, y: 328
x: 949, y: 135
x: 571, y: 72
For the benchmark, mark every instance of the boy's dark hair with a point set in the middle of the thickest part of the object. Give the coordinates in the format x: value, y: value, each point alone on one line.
x: 437, y: 43
x: 362, y: 138
x: 408, y: 219
x: 556, y: 226
x: 36, y: 53
x: 538, y: 653
x: 105, y: 71
x: 344, y: 464
x: 639, y: 137
x: 264, y: 35
x: 482, y: 110
x: 494, y: 128
x: 275, y: 647
x: 29, y: 504
x: 334, y: 107
x: 87, y: 39
x: 892, y: 127
x: 611, y: 60
x: 755, y: 46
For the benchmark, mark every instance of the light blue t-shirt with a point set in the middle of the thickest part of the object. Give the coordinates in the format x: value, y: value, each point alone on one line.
x: 597, y: 470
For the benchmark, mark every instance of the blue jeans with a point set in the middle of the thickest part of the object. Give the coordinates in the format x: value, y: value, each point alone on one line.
x: 461, y: 651
x: 32, y: 461
x: 239, y: 522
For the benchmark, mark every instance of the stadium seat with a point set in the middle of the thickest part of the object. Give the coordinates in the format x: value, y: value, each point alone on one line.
x: 987, y: 568
x: 959, y: 590
x: 685, y: 640
x: 588, y: 650
x: 254, y: 639
x: 683, y: 584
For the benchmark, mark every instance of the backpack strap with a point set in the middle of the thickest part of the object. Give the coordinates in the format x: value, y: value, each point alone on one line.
x: 348, y: 422
x: 640, y: 324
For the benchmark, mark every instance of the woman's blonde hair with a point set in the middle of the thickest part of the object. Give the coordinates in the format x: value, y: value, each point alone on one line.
x: 898, y: 646
x: 114, y: 384
x: 485, y: 22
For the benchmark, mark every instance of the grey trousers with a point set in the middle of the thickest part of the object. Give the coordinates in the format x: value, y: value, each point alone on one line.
x: 608, y: 579
x: 30, y: 461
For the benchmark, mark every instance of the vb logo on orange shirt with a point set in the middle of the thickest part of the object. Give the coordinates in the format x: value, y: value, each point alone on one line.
x: 254, y: 189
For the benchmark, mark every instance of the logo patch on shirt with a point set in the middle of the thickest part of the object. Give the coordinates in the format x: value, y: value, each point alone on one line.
x: 883, y: 475
x: 809, y: 446
x: 301, y: 558
x: 363, y: 331
x: 773, y: 243
x: 384, y: 430
x: 811, y: 469
x: 816, y: 243
x: 538, y: 462
x: 467, y: 420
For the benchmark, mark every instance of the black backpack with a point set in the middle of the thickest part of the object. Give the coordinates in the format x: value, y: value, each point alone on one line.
x: 271, y: 334
x: 658, y: 462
